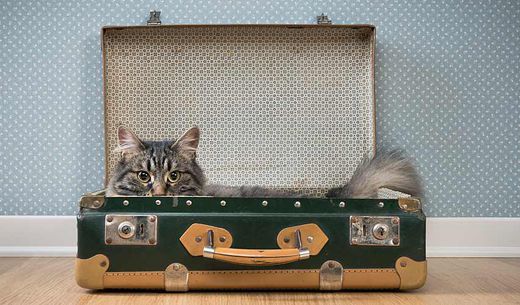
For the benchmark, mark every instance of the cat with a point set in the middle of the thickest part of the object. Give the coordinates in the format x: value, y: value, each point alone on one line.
x: 170, y: 168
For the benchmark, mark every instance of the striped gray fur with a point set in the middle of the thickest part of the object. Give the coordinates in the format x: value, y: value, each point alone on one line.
x: 387, y: 169
x: 219, y: 190
x: 159, y: 159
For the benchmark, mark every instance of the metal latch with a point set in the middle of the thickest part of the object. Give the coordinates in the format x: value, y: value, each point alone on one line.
x: 176, y: 277
x: 323, y: 19
x: 331, y: 276
x: 131, y: 230
x: 374, y: 231
x: 155, y: 18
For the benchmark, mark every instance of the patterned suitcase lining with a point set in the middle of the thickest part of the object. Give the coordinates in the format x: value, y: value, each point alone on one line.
x: 277, y: 106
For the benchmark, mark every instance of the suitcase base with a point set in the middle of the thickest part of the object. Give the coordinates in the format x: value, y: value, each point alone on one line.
x: 92, y: 273
x: 198, y: 243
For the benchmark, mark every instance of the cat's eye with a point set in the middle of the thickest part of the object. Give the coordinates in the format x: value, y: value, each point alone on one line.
x: 143, y: 176
x: 174, y: 177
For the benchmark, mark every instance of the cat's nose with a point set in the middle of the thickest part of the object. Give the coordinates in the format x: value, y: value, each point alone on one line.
x: 158, y: 190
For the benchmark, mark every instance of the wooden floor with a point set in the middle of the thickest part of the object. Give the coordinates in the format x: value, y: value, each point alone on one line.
x: 455, y: 281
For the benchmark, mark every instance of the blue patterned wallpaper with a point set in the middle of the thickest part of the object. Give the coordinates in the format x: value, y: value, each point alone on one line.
x: 447, y: 90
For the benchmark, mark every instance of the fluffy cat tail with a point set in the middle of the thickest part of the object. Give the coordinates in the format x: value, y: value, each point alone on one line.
x: 387, y: 169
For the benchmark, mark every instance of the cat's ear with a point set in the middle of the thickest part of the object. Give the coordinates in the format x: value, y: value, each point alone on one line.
x: 128, y: 141
x: 187, y: 144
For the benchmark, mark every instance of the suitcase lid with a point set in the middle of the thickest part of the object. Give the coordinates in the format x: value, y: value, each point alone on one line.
x: 285, y: 106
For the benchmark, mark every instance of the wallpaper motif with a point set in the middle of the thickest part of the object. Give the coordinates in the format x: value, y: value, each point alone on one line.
x: 267, y: 99
x: 447, y: 81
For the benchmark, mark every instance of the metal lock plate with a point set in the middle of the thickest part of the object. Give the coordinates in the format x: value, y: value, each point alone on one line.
x: 374, y: 231
x: 137, y: 230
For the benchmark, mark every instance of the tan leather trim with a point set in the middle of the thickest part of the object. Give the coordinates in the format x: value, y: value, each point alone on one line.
x: 286, y: 239
x: 255, y: 279
x: 134, y: 280
x: 385, y: 278
x: 412, y: 273
x: 207, y: 280
x: 306, y: 25
x: 198, y: 231
x: 409, y: 204
x: 89, y: 272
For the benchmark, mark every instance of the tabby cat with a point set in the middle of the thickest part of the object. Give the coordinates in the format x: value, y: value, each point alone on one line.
x: 170, y: 168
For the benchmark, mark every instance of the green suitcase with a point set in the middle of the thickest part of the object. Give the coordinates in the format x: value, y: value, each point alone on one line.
x: 275, y: 95
x: 193, y: 243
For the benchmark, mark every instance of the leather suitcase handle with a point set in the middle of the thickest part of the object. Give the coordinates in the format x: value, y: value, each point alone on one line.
x: 256, y: 257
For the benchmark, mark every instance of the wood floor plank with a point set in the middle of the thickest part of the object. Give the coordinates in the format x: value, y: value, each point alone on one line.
x: 456, y: 281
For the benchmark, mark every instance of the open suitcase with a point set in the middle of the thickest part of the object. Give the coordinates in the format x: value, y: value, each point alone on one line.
x: 289, y: 106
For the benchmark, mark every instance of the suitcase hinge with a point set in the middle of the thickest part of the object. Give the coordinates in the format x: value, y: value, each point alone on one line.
x: 323, y: 19
x: 331, y: 276
x: 155, y: 18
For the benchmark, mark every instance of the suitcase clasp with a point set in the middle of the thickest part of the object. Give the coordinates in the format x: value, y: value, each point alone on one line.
x: 131, y: 230
x: 374, y: 231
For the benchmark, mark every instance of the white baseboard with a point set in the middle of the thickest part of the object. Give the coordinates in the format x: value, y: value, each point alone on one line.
x: 42, y: 251
x: 38, y: 236
x: 473, y: 237
x: 446, y: 236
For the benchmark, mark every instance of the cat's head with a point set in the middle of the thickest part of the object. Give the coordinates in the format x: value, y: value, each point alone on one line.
x: 157, y: 168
